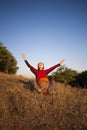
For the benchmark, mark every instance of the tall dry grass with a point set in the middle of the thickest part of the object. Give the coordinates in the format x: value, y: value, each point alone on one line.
x: 65, y: 108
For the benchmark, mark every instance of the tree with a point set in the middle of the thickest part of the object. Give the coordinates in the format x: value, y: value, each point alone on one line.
x: 81, y: 79
x: 64, y: 75
x: 8, y: 63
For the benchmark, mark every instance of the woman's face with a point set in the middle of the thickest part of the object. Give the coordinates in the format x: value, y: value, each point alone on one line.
x: 40, y: 66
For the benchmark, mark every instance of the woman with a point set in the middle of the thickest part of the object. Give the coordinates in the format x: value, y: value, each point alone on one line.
x: 41, y: 74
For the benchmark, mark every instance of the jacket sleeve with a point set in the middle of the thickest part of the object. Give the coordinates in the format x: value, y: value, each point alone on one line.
x: 34, y: 70
x: 52, y: 68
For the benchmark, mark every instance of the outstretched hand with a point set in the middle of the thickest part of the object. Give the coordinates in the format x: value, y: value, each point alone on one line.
x: 62, y: 61
x: 24, y: 56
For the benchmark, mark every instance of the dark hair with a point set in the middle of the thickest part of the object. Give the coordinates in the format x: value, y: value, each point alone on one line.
x: 40, y: 63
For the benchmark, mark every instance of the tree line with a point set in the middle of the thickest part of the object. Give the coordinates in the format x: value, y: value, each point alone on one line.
x: 71, y: 77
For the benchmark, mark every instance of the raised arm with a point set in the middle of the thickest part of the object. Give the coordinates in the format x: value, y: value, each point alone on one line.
x: 55, y: 66
x: 34, y: 70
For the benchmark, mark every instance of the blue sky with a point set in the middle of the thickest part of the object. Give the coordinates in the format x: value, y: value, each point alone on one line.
x: 45, y: 30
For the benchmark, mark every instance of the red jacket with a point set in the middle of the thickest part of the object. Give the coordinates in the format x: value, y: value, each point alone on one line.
x: 41, y: 73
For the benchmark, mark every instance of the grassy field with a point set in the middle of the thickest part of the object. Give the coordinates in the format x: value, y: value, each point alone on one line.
x: 65, y: 108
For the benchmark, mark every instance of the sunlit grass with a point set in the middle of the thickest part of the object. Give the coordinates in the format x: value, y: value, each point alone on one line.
x: 65, y: 108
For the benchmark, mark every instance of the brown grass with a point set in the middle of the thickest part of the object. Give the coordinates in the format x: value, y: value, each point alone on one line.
x: 65, y: 108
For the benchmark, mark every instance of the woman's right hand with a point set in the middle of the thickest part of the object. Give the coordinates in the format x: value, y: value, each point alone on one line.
x: 62, y: 61
x: 24, y: 56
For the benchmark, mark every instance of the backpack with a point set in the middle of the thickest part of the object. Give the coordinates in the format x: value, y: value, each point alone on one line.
x: 43, y: 85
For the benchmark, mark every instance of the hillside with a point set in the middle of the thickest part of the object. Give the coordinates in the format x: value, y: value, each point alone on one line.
x: 65, y: 108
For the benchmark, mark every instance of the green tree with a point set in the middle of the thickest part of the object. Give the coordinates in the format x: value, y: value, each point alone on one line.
x: 64, y: 75
x: 81, y: 79
x: 8, y: 63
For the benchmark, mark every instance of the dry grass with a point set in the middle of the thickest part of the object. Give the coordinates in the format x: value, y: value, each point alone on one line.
x: 65, y: 108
